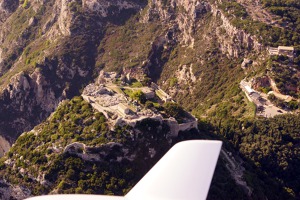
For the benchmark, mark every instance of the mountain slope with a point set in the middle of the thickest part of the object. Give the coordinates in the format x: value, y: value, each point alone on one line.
x: 75, y: 151
x: 197, y: 51
x: 53, y: 60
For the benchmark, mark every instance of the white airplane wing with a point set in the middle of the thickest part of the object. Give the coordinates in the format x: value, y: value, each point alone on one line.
x: 184, y: 173
x: 76, y: 197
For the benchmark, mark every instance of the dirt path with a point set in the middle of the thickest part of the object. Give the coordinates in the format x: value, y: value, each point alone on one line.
x: 236, y: 170
x: 277, y: 93
x: 258, y: 13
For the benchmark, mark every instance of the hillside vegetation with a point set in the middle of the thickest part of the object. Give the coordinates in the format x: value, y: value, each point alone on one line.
x: 288, y: 32
x: 271, y: 144
x: 43, y: 161
x: 193, y: 50
x: 39, y: 159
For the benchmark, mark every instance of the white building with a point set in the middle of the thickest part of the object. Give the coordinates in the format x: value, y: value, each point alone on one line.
x: 248, y: 89
x: 282, y: 50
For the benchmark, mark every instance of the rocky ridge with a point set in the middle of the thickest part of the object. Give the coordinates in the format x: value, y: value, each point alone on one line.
x: 64, y: 23
x: 193, y: 56
x: 124, y: 146
x: 40, y: 90
x: 234, y: 42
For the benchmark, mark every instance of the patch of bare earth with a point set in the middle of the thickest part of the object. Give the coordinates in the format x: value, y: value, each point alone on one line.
x: 258, y: 13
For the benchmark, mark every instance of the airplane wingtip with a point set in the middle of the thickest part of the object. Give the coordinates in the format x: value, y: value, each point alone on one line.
x: 185, y: 172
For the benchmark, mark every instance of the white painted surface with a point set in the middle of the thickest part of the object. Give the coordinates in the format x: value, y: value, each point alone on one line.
x: 184, y: 173
x: 77, y: 197
x: 248, y: 89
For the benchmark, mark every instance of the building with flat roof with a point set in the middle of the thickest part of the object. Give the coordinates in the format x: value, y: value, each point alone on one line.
x: 282, y: 50
x: 255, y: 96
x: 248, y: 89
x: 288, y: 51
x: 285, y: 48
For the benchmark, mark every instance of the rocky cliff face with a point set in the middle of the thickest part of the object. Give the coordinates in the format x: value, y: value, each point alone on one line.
x: 57, y: 60
x: 70, y: 23
x: 233, y: 41
x: 177, y: 15
x: 183, y: 15
x: 49, y: 50
x: 6, y: 8
x: 97, y: 147
x: 32, y: 98
x: 4, y: 146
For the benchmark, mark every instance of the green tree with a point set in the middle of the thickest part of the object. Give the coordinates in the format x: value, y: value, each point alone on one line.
x: 174, y: 110
x: 138, y: 95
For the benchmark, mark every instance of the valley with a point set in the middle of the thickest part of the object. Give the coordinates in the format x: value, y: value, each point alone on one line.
x: 92, y: 90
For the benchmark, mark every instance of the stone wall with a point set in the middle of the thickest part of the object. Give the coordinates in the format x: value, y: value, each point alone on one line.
x: 175, y: 128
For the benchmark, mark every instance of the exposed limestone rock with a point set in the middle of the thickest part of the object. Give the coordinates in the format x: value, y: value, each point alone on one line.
x: 36, y: 82
x: 100, y: 153
x: 234, y: 41
x: 36, y: 4
x: 184, y: 22
x: 246, y: 62
x: 65, y: 17
x: 66, y: 12
x: 6, y: 8
x: 4, y: 146
x: 60, y: 20
x: 102, y: 7
x: 236, y: 169
x: 8, y: 191
x: 41, y: 179
x: 32, y: 21
x: 185, y: 74
x: 26, y: 95
x: 1, y: 59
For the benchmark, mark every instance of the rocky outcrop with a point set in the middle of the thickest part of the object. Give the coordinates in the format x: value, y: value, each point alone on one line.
x: 28, y: 98
x: 4, y: 146
x: 246, y: 63
x: 8, y: 191
x: 65, y: 15
x: 67, y: 12
x: 235, y: 166
x: 185, y: 75
x: 182, y: 15
x: 24, y: 85
x: 179, y: 15
x: 107, y: 8
x: 115, y: 152
x: 31, y: 98
x: 6, y: 8
x: 233, y: 41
